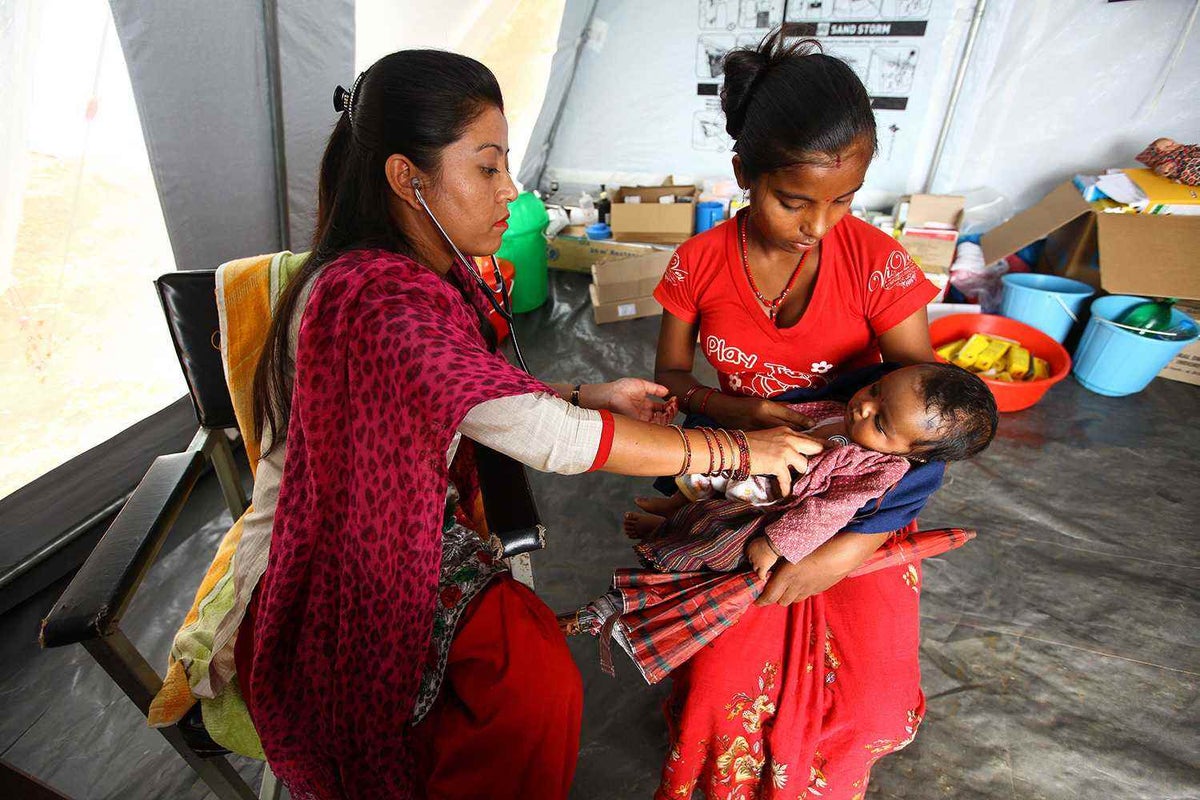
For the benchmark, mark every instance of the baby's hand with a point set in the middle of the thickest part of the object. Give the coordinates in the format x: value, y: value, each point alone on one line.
x: 762, y: 556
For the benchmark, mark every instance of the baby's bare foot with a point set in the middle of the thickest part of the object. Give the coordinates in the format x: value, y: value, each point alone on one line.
x: 642, y: 526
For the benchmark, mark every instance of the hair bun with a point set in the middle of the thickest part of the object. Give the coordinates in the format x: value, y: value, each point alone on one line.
x: 743, y: 70
x: 339, y: 99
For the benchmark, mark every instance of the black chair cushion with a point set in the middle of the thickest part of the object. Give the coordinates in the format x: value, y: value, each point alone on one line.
x: 189, y: 301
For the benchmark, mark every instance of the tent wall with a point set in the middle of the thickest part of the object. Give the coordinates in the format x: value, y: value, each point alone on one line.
x: 1065, y: 86
x: 576, y: 16
x: 1053, y: 87
x: 645, y: 98
x: 316, y: 52
x: 199, y: 75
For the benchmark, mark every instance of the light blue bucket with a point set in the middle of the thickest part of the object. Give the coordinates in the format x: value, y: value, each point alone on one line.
x: 1046, y: 302
x: 1114, y: 360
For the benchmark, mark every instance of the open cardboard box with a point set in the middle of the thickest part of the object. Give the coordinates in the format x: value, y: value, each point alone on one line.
x: 648, y: 220
x: 1139, y: 254
x: 629, y: 277
x: 931, y: 230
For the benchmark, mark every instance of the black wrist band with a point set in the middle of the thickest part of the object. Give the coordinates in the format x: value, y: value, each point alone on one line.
x: 575, y: 394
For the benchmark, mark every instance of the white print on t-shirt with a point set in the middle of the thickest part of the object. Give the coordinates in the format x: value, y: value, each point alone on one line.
x: 899, y: 272
x: 675, y: 273
x: 821, y: 367
x: 715, y: 348
x: 779, y: 379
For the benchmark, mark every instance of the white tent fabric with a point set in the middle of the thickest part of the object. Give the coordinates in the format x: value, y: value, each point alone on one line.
x: 1057, y: 88
x: 645, y: 96
x: 1053, y: 87
x: 628, y: 94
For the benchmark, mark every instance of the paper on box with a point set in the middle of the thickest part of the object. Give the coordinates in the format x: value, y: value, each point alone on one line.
x: 623, y: 309
x: 578, y: 253
x: 931, y: 229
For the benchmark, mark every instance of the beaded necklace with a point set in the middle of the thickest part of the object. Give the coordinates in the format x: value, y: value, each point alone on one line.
x: 772, y: 306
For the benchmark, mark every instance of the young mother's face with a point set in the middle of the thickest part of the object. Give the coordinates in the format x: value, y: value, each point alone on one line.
x: 471, y: 194
x: 793, y: 208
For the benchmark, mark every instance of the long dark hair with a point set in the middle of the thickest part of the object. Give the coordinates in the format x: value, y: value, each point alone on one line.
x: 788, y: 104
x: 413, y: 102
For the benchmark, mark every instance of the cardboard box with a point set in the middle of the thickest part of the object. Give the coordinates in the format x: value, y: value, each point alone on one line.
x: 1141, y: 254
x: 579, y: 253
x: 1185, y: 367
x: 648, y: 220
x: 931, y: 230
x: 623, y: 309
x: 628, y: 278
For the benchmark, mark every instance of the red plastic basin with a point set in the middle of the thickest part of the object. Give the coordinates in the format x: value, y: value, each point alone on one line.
x: 1018, y: 394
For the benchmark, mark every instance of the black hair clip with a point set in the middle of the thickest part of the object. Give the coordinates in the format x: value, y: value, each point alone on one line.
x: 343, y: 101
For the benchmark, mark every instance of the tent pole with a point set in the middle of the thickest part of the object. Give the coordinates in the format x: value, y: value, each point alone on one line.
x: 944, y: 133
x: 270, y: 10
x: 562, y: 104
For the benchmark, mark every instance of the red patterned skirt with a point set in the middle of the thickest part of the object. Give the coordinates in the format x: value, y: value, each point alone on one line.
x: 800, y: 701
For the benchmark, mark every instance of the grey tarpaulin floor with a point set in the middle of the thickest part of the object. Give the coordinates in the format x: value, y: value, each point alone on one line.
x: 1060, y: 651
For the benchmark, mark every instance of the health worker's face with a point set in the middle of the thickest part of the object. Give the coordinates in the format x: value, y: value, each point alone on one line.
x: 473, y: 188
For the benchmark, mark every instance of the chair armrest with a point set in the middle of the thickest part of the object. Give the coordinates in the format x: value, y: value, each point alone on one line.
x: 508, y: 503
x: 98, y: 595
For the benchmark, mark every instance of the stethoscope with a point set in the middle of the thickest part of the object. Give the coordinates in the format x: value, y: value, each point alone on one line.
x: 503, y: 306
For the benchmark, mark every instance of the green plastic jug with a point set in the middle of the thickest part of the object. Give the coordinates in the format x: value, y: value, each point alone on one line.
x: 1152, y: 317
x: 525, y: 246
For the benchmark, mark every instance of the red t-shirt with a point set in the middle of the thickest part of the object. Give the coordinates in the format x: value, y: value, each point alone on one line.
x: 866, y: 284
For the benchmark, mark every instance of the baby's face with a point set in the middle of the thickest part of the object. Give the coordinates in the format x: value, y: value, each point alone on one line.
x: 889, y: 416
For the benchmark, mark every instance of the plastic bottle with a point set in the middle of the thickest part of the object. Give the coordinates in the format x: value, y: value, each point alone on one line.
x: 604, y: 207
x: 1151, y: 317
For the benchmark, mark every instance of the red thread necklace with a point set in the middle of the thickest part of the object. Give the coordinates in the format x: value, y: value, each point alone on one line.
x: 771, y: 305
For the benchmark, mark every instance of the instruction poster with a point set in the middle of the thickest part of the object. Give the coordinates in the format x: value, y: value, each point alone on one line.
x: 893, y: 45
x: 645, y: 100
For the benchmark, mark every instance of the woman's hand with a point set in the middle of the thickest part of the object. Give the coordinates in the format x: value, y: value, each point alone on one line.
x: 778, y: 451
x: 631, y: 397
x: 821, y: 569
x: 755, y: 413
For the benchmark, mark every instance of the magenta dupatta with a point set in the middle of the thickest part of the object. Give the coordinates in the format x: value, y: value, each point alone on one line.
x: 389, y: 361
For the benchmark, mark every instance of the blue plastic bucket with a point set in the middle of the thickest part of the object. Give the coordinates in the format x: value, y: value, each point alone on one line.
x: 708, y: 214
x: 1115, y: 361
x: 1046, y: 302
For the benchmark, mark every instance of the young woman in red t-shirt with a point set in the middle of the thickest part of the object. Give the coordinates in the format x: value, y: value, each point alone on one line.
x: 821, y: 679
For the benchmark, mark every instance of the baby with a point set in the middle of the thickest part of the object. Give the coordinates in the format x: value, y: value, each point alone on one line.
x: 929, y: 412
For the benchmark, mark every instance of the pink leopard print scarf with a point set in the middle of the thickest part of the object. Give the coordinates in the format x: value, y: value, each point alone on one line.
x: 389, y: 361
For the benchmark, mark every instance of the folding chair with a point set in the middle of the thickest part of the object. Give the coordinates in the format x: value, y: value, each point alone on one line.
x: 89, y: 612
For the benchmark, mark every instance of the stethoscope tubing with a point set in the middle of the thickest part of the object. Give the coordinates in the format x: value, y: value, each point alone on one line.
x: 503, y: 306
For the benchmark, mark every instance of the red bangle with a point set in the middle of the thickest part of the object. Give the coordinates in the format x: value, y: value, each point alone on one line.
x: 687, y: 397
x: 732, y: 452
x: 743, y: 470
x: 704, y: 402
x: 720, y: 452
x: 712, y: 456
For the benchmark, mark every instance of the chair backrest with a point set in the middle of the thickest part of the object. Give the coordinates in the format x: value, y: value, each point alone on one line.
x: 189, y: 301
